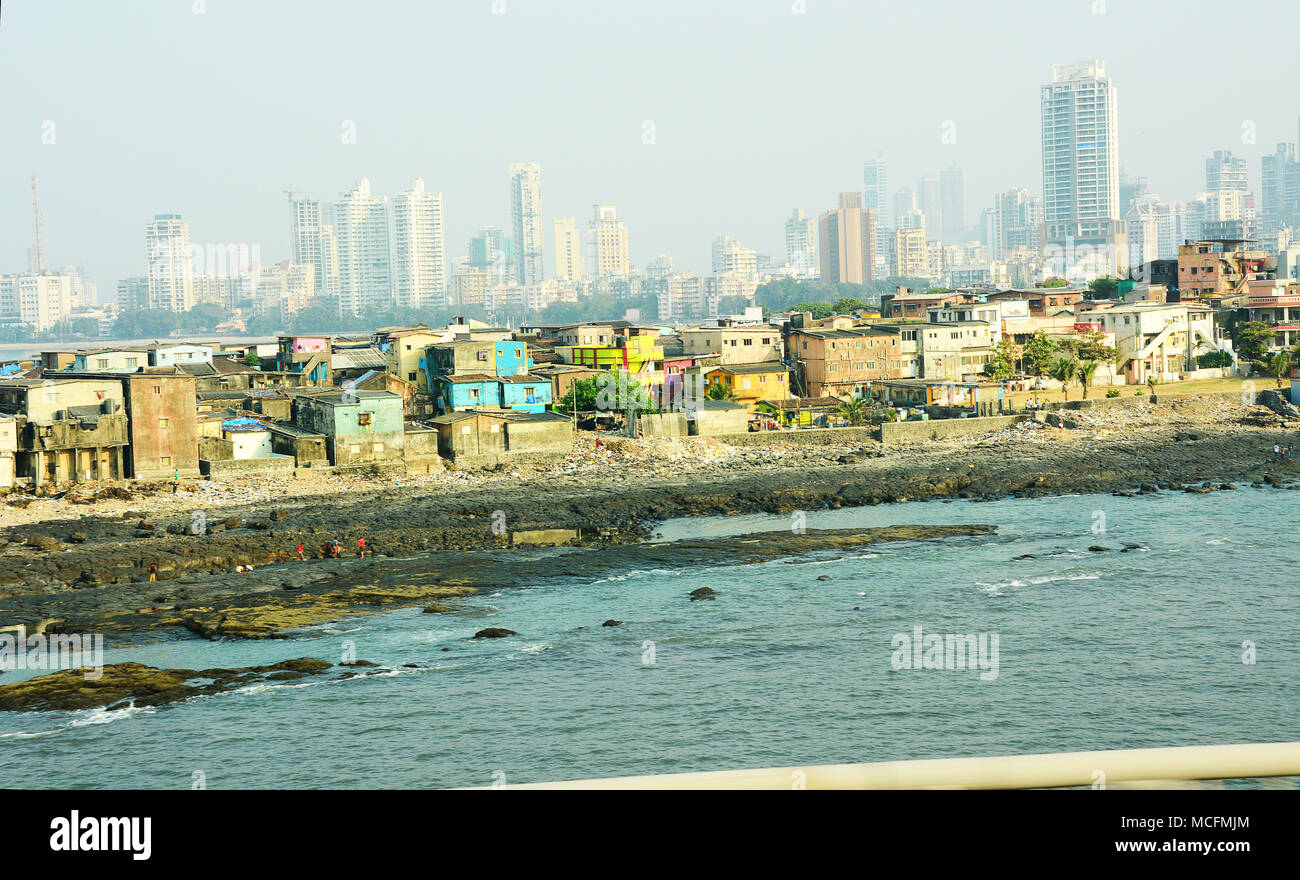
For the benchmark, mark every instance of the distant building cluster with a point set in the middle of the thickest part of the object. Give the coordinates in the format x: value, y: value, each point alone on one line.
x: 363, y: 253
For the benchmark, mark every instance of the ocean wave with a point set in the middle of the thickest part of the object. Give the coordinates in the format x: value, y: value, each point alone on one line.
x: 104, y: 715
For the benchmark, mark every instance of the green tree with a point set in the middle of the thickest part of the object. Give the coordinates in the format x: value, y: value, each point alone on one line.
x: 1085, y: 372
x: 1105, y: 287
x: 1002, y: 363
x: 1055, y: 282
x: 1091, y: 346
x: 204, y: 317
x: 719, y: 391
x: 1252, y: 339
x: 582, y: 394
x: 1280, y: 364
x: 1063, y: 370
x: 1039, y: 353
x: 854, y: 410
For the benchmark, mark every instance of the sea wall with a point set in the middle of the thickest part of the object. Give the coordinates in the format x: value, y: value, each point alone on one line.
x: 939, y: 429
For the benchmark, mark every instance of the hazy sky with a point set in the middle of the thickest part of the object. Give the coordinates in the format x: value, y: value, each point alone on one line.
x: 756, y: 108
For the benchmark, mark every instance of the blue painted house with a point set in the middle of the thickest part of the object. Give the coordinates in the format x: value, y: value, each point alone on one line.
x: 476, y: 390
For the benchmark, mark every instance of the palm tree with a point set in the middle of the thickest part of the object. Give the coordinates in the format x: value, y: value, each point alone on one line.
x: 1063, y: 370
x: 1084, y: 371
x: 854, y: 410
x: 1281, y: 366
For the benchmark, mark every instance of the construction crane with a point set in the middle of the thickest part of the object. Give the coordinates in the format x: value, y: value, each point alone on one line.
x: 38, y: 258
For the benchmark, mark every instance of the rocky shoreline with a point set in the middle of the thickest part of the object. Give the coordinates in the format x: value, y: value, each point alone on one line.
x: 91, y: 573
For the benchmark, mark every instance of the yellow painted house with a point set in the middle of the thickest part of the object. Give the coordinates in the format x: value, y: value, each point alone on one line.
x: 750, y: 383
x: 635, y: 354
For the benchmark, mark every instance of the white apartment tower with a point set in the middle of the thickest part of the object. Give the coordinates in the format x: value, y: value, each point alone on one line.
x: 1081, y: 207
x: 526, y: 212
x: 568, y: 253
x: 419, y: 250
x: 730, y: 257
x: 801, y: 244
x: 313, y: 244
x: 876, y: 199
x: 361, y: 235
x: 171, y: 266
x: 609, y: 242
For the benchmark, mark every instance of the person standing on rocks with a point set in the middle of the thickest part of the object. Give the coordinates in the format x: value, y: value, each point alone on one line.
x: 298, y: 550
x: 1277, y: 452
x: 153, y: 571
x: 334, y: 548
x: 361, y: 547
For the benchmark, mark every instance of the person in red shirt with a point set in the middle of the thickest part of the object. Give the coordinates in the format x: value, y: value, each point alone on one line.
x: 298, y: 550
x: 361, y: 547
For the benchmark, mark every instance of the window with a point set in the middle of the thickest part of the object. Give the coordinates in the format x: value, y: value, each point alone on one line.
x: 482, y: 355
x: 363, y: 418
x: 749, y: 342
x: 165, y: 460
x: 473, y: 393
x: 163, y: 423
x: 408, y: 348
x: 132, y: 362
x: 157, y: 389
x: 102, y: 363
x: 411, y: 375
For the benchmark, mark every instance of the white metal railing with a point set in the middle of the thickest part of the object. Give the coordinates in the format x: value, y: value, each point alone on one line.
x: 1122, y: 768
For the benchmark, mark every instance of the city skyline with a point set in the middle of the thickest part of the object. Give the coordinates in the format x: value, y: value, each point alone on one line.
x: 665, y: 161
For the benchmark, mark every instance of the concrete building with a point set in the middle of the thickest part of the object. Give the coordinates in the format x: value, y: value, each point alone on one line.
x: 1083, y: 233
x: 875, y: 198
x: 170, y: 261
x: 847, y: 242
x: 839, y: 362
x: 568, y: 252
x: 730, y: 257
x: 609, y: 243
x: 801, y: 245
x: 419, y: 249
x: 955, y: 350
x: 163, y: 354
x: 63, y: 431
x: 364, y: 259
x: 114, y: 359
x: 1217, y: 268
x: 734, y: 345
x: 38, y: 300
x: 526, y: 214
x: 909, y: 256
x: 360, y: 427
x: 314, y: 245
x: 750, y: 383
x: 1160, y: 339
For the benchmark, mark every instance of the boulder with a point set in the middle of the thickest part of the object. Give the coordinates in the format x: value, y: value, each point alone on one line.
x: 494, y: 632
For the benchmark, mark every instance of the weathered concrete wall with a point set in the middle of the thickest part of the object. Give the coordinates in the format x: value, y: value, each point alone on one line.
x: 549, y: 436
x: 245, y: 466
x: 807, y: 436
x: 1129, y: 399
x: 215, y: 449
x: 662, y: 425
x: 420, y: 444
x: 713, y: 423
x: 939, y: 429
